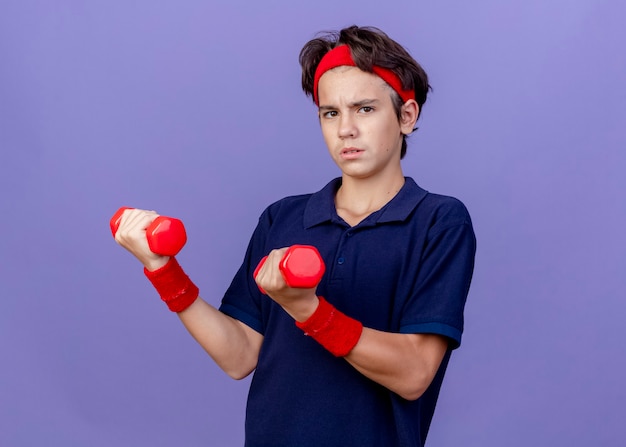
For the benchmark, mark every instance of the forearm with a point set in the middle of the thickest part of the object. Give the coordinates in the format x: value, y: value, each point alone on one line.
x: 404, y: 363
x: 233, y: 345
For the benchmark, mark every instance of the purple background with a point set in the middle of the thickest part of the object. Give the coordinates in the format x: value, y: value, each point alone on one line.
x: 194, y: 109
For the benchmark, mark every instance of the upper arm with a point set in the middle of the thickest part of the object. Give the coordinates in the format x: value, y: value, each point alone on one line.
x: 254, y: 340
x: 422, y: 362
x: 431, y: 349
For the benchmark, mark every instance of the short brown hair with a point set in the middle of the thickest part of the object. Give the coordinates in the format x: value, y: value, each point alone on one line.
x: 369, y: 46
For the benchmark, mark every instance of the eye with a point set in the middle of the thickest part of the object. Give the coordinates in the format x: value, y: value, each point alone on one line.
x: 366, y: 109
x: 330, y: 114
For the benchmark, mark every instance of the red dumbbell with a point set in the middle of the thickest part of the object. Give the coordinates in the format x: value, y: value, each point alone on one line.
x: 301, y: 266
x: 166, y: 235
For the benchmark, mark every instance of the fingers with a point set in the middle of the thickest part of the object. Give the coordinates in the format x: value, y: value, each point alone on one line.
x: 133, y: 226
x: 131, y: 235
x: 298, y: 302
x: 269, y: 278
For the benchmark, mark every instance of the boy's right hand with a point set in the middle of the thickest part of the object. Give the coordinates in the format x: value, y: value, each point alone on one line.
x: 131, y: 234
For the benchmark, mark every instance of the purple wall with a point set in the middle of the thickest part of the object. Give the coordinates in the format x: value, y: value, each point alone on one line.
x: 194, y: 109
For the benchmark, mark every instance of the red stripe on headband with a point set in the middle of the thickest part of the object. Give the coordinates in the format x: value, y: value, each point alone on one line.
x: 341, y: 55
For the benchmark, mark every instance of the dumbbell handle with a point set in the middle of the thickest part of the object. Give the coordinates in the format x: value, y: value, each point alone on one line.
x: 166, y: 235
x: 301, y: 267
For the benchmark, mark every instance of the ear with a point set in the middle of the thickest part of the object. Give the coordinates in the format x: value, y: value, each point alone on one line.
x: 408, y: 116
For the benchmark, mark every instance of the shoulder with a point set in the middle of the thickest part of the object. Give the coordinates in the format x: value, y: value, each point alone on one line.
x: 438, y: 212
x: 312, y: 207
x: 287, y: 205
x: 446, y: 208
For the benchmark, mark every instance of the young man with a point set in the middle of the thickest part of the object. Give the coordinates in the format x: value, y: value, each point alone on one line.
x: 359, y: 360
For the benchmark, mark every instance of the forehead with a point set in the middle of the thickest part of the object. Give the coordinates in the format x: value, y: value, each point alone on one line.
x: 350, y: 84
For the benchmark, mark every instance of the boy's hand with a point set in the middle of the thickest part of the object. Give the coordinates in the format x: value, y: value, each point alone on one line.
x: 299, y: 302
x: 131, y: 234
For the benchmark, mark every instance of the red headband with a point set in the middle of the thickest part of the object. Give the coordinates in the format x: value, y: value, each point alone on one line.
x: 341, y: 55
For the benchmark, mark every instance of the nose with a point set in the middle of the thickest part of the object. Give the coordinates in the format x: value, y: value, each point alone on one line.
x: 347, y: 126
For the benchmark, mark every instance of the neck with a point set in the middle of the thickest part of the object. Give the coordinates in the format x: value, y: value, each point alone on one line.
x: 358, y: 198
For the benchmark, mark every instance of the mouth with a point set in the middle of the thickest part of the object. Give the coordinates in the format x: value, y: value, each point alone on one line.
x: 351, y: 151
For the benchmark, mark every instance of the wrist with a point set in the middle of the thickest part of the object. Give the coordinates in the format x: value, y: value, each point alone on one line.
x: 302, y: 310
x: 173, y: 285
x: 155, y: 264
x: 335, y: 331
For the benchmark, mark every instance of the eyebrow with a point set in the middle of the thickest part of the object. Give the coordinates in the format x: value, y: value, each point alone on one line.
x: 352, y: 105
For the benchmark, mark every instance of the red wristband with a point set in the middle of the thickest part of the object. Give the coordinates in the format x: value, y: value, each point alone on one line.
x: 332, y: 329
x: 173, y: 285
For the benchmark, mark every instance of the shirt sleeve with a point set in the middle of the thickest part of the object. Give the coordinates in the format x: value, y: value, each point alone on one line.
x: 444, y: 277
x: 243, y: 300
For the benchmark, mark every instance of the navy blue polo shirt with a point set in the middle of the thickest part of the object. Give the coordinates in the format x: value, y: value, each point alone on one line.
x: 405, y: 268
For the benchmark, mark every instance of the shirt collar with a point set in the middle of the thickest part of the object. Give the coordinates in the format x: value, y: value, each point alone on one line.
x: 321, y: 205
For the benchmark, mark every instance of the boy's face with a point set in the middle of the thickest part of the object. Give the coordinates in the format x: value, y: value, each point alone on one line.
x: 359, y: 123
